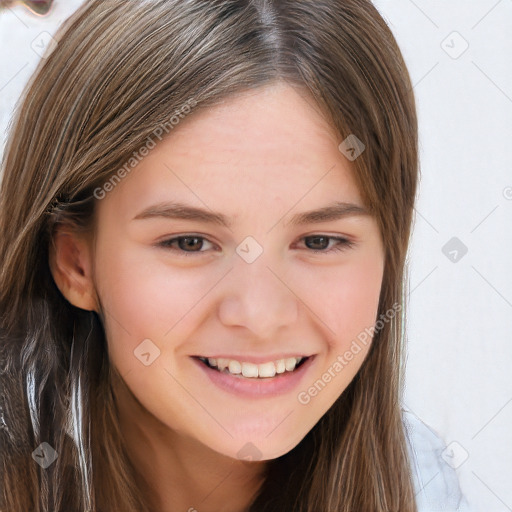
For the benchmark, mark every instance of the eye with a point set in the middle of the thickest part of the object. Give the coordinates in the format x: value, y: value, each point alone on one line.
x: 319, y: 243
x: 189, y: 244
x: 185, y: 244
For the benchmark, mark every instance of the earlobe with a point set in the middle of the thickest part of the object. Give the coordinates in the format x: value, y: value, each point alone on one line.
x: 70, y: 262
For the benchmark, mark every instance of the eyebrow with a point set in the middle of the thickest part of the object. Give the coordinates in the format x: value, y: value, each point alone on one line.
x: 176, y: 210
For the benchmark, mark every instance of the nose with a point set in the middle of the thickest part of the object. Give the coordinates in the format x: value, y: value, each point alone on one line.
x: 258, y: 297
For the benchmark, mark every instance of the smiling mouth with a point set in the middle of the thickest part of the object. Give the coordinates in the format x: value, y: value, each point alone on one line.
x: 254, y: 371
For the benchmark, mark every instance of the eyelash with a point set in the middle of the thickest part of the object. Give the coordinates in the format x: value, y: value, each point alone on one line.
x: 343, y: 244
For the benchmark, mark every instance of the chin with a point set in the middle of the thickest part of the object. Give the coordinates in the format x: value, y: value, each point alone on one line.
x: 260, y: 448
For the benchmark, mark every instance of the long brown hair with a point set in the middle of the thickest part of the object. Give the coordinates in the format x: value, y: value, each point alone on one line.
x: 122, y: 69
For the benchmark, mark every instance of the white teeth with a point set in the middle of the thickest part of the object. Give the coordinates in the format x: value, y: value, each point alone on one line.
x: 235, y: 367
x: 280, y: 366
x: 222, y: 363
x: 251, y: 370
x: 290, y: 363
x: 267, y: 369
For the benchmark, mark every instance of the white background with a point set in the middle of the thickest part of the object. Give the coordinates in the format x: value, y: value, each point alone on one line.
x: 459, y: 312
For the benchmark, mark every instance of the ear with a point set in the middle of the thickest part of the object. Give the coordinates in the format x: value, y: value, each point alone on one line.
x: 70, y: 260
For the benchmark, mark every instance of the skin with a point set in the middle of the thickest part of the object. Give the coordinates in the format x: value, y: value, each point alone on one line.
x: 259, y: 159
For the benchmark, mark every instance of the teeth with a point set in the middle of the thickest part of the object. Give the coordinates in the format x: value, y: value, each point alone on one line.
x: 222, y: 363
x: 267, y: 369
x: 235, y: 367
x: 251, y: 370
x: 290, y: 363
x: 280, y: 366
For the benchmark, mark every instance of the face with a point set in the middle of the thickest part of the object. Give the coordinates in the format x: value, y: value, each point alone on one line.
x: 208, y: 248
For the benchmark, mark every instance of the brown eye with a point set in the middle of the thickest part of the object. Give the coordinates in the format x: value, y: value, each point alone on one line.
x: 190, y: 243
x: 320, y: 243
x: 186, y: 245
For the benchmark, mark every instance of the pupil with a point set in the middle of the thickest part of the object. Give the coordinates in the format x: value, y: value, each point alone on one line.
x: 316, y: 238
x: 190, y: 243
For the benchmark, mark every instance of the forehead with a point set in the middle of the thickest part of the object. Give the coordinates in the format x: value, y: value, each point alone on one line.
x: 273, y: 121
x: 266, y: 148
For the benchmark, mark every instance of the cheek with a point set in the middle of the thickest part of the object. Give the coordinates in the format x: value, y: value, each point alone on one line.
x: 346, y: 299
x: 348, y: 305
x: 143, y: 297
x: 128, y: 295
x: 134, y: 288
x: 126, y: 287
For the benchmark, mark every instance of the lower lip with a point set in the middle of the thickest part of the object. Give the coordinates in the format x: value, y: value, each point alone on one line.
x: 257, y: 387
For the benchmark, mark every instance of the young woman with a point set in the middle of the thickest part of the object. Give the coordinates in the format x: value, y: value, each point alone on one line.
x: 204, y: 214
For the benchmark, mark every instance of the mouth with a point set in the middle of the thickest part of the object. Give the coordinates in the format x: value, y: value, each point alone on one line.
x: 249, y: 370
x: 270, y: 379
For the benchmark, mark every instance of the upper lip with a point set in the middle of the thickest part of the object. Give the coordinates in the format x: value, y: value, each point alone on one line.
x: 255, y: 359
